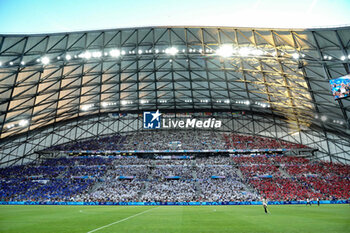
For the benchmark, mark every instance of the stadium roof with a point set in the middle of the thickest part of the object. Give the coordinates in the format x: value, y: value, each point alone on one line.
x: 269, y: 71
x: 50, y: 78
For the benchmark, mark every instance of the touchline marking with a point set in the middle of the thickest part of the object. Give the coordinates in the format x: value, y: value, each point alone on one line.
x: 122, y: 220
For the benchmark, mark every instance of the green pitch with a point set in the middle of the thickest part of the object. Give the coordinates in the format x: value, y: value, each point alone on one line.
x: 291, y: 218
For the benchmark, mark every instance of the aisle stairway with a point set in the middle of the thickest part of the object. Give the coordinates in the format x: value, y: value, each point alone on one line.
x: 247, y: 187
x: 196, y: 182
x: 284, y: 173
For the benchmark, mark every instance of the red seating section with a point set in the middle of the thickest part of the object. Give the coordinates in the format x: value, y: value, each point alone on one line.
x: 245, y: 142
x: 300, y: 178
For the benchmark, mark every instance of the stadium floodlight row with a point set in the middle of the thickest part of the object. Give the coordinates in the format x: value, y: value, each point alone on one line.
x: 62, y: 87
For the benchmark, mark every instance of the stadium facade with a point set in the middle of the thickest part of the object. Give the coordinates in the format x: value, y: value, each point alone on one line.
x: 58, y: 88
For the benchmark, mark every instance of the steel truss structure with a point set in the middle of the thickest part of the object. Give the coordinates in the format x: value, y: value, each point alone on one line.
x: 56, y: 88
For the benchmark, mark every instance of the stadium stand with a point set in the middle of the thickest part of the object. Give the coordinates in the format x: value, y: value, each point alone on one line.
x: 215, y: 178
x: 238, y: 141
x: 177, y: 140
x: 306, y: 179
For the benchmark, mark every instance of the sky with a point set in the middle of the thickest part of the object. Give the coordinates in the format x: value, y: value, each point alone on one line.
x: 45, y: 16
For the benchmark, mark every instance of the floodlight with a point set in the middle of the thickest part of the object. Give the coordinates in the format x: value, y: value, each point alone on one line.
x: 144, y: 101
x: 87, y: 55
x: 295, y: 55
x: 171, y: 51
x: 225, y: 50
x: 115, y: 53
x: 258, y: 52
x: 96, y: 54
x: 23, y: 122
x: 245, y: 51
x: 45, y: 60
x: 10, y: 126
x: 86, y: 107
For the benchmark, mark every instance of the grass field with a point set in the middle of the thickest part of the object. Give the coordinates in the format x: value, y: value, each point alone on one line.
x: 287, y: 218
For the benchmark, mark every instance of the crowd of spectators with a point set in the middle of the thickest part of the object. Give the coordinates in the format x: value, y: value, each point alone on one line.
x: 175, y: 140
x: 244, y: 142
x: 252, y: 160
x: 82, y: 171
x: 215, y: 178
x: 300, y: 180
x: 139, y: 172
x: 164, y: 171
x: 219, y: 181
x: 282, y: 189
x: 272, y: 159
x: 113, y: 190
x: 182, y: 162
x: 33, y: 171
x: 341, y: 170
x: 225, y: 190
x: 214, y: 160
x: 288, y: 160
x: 209, y: 170
x: 260, y: 170
x: 48, y: 180
x: 328, y: 187
x: 22, y: 189
x: 318, y: 169
x: 170, y: 191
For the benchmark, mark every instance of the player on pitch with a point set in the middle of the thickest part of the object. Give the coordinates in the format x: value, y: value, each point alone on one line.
x: 264, y: 202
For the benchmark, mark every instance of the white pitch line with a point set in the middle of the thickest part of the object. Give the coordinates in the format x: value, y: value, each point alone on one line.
x: 122, y: 220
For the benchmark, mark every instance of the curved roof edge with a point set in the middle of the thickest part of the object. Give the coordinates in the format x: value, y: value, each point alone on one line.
x: 179, y: 26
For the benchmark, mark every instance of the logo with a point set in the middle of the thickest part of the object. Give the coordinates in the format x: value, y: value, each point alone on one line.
x: 151, y: 120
